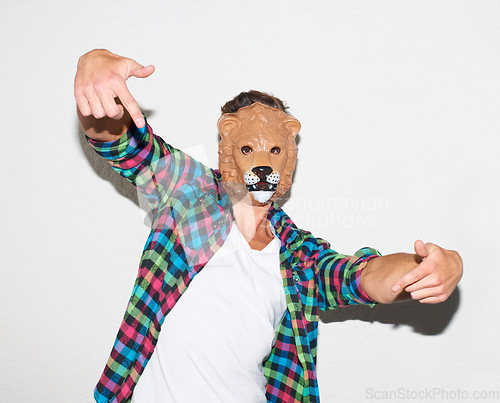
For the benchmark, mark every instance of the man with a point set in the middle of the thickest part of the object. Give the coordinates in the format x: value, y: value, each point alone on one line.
x: 245, y: 329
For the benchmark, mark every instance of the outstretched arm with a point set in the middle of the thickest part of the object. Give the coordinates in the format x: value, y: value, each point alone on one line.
x: 429, y: 276
x: 117, y: 131
x: 106, y: 108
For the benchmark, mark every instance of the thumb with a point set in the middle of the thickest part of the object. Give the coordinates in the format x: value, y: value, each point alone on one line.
x: 420, y: 249
x: 140, y: 71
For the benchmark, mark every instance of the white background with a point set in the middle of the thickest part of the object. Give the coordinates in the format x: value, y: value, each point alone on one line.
x: 400, y: 109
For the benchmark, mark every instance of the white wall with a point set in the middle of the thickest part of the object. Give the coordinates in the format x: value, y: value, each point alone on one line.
x: 400, y: 108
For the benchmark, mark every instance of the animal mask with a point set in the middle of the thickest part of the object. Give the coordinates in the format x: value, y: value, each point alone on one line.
x: 257, y: 152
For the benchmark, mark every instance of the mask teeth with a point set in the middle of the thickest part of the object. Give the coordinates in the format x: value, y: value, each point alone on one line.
x: 271, y: 188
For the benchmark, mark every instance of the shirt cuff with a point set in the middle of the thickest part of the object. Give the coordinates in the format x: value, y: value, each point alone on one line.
x: 363, y: 256
x: 124, y: 147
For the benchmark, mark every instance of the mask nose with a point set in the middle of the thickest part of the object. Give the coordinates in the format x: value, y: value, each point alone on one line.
x: 262, y: 172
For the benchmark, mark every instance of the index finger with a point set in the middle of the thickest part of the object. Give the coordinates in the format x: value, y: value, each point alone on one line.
x: 130, y: 104
x: 413, y: 276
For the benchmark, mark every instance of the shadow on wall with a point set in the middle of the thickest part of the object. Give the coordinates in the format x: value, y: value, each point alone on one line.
x: 426, y: 319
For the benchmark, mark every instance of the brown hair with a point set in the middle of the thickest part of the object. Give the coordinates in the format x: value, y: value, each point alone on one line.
x: 250, y: 97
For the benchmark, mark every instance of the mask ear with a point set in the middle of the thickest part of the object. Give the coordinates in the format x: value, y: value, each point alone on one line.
x: 292, y: 126
x: 226, y: 124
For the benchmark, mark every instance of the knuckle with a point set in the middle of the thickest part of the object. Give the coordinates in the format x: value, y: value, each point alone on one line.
x: 99, y: 85
x: 78, y: 91
x: 115, y: 113
x: 433, y: 267
x: 115, y: 80
x: 128, y: 100
x: 87, y: 89
x: 441, y: 298
x: 99, y: 114
x: 85, y: 112
x: 436, y: 281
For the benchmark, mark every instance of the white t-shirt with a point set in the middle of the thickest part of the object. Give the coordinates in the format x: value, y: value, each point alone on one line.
x: 213, y: 342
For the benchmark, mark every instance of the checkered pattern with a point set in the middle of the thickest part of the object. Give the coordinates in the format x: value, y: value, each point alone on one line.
x: 192, y: 217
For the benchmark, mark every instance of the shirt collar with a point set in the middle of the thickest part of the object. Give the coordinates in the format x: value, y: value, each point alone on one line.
x: 285, y: 228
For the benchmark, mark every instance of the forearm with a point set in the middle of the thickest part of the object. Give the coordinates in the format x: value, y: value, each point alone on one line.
x: 381, y: 273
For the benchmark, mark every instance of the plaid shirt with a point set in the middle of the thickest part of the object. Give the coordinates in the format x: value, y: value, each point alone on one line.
x: 192, y: 216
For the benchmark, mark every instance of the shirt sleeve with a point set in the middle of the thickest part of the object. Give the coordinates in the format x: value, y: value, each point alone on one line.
x: 339, y: 278
x: 154, y: 167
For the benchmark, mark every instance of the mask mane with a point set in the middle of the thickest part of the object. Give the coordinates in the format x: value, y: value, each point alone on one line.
x: 268, y: 120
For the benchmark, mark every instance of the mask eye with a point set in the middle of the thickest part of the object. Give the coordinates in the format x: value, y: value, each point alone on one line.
x: 275, y: 150
x: 246, y: 150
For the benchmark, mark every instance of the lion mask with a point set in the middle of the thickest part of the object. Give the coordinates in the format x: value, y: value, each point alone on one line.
x: 257, y: 152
